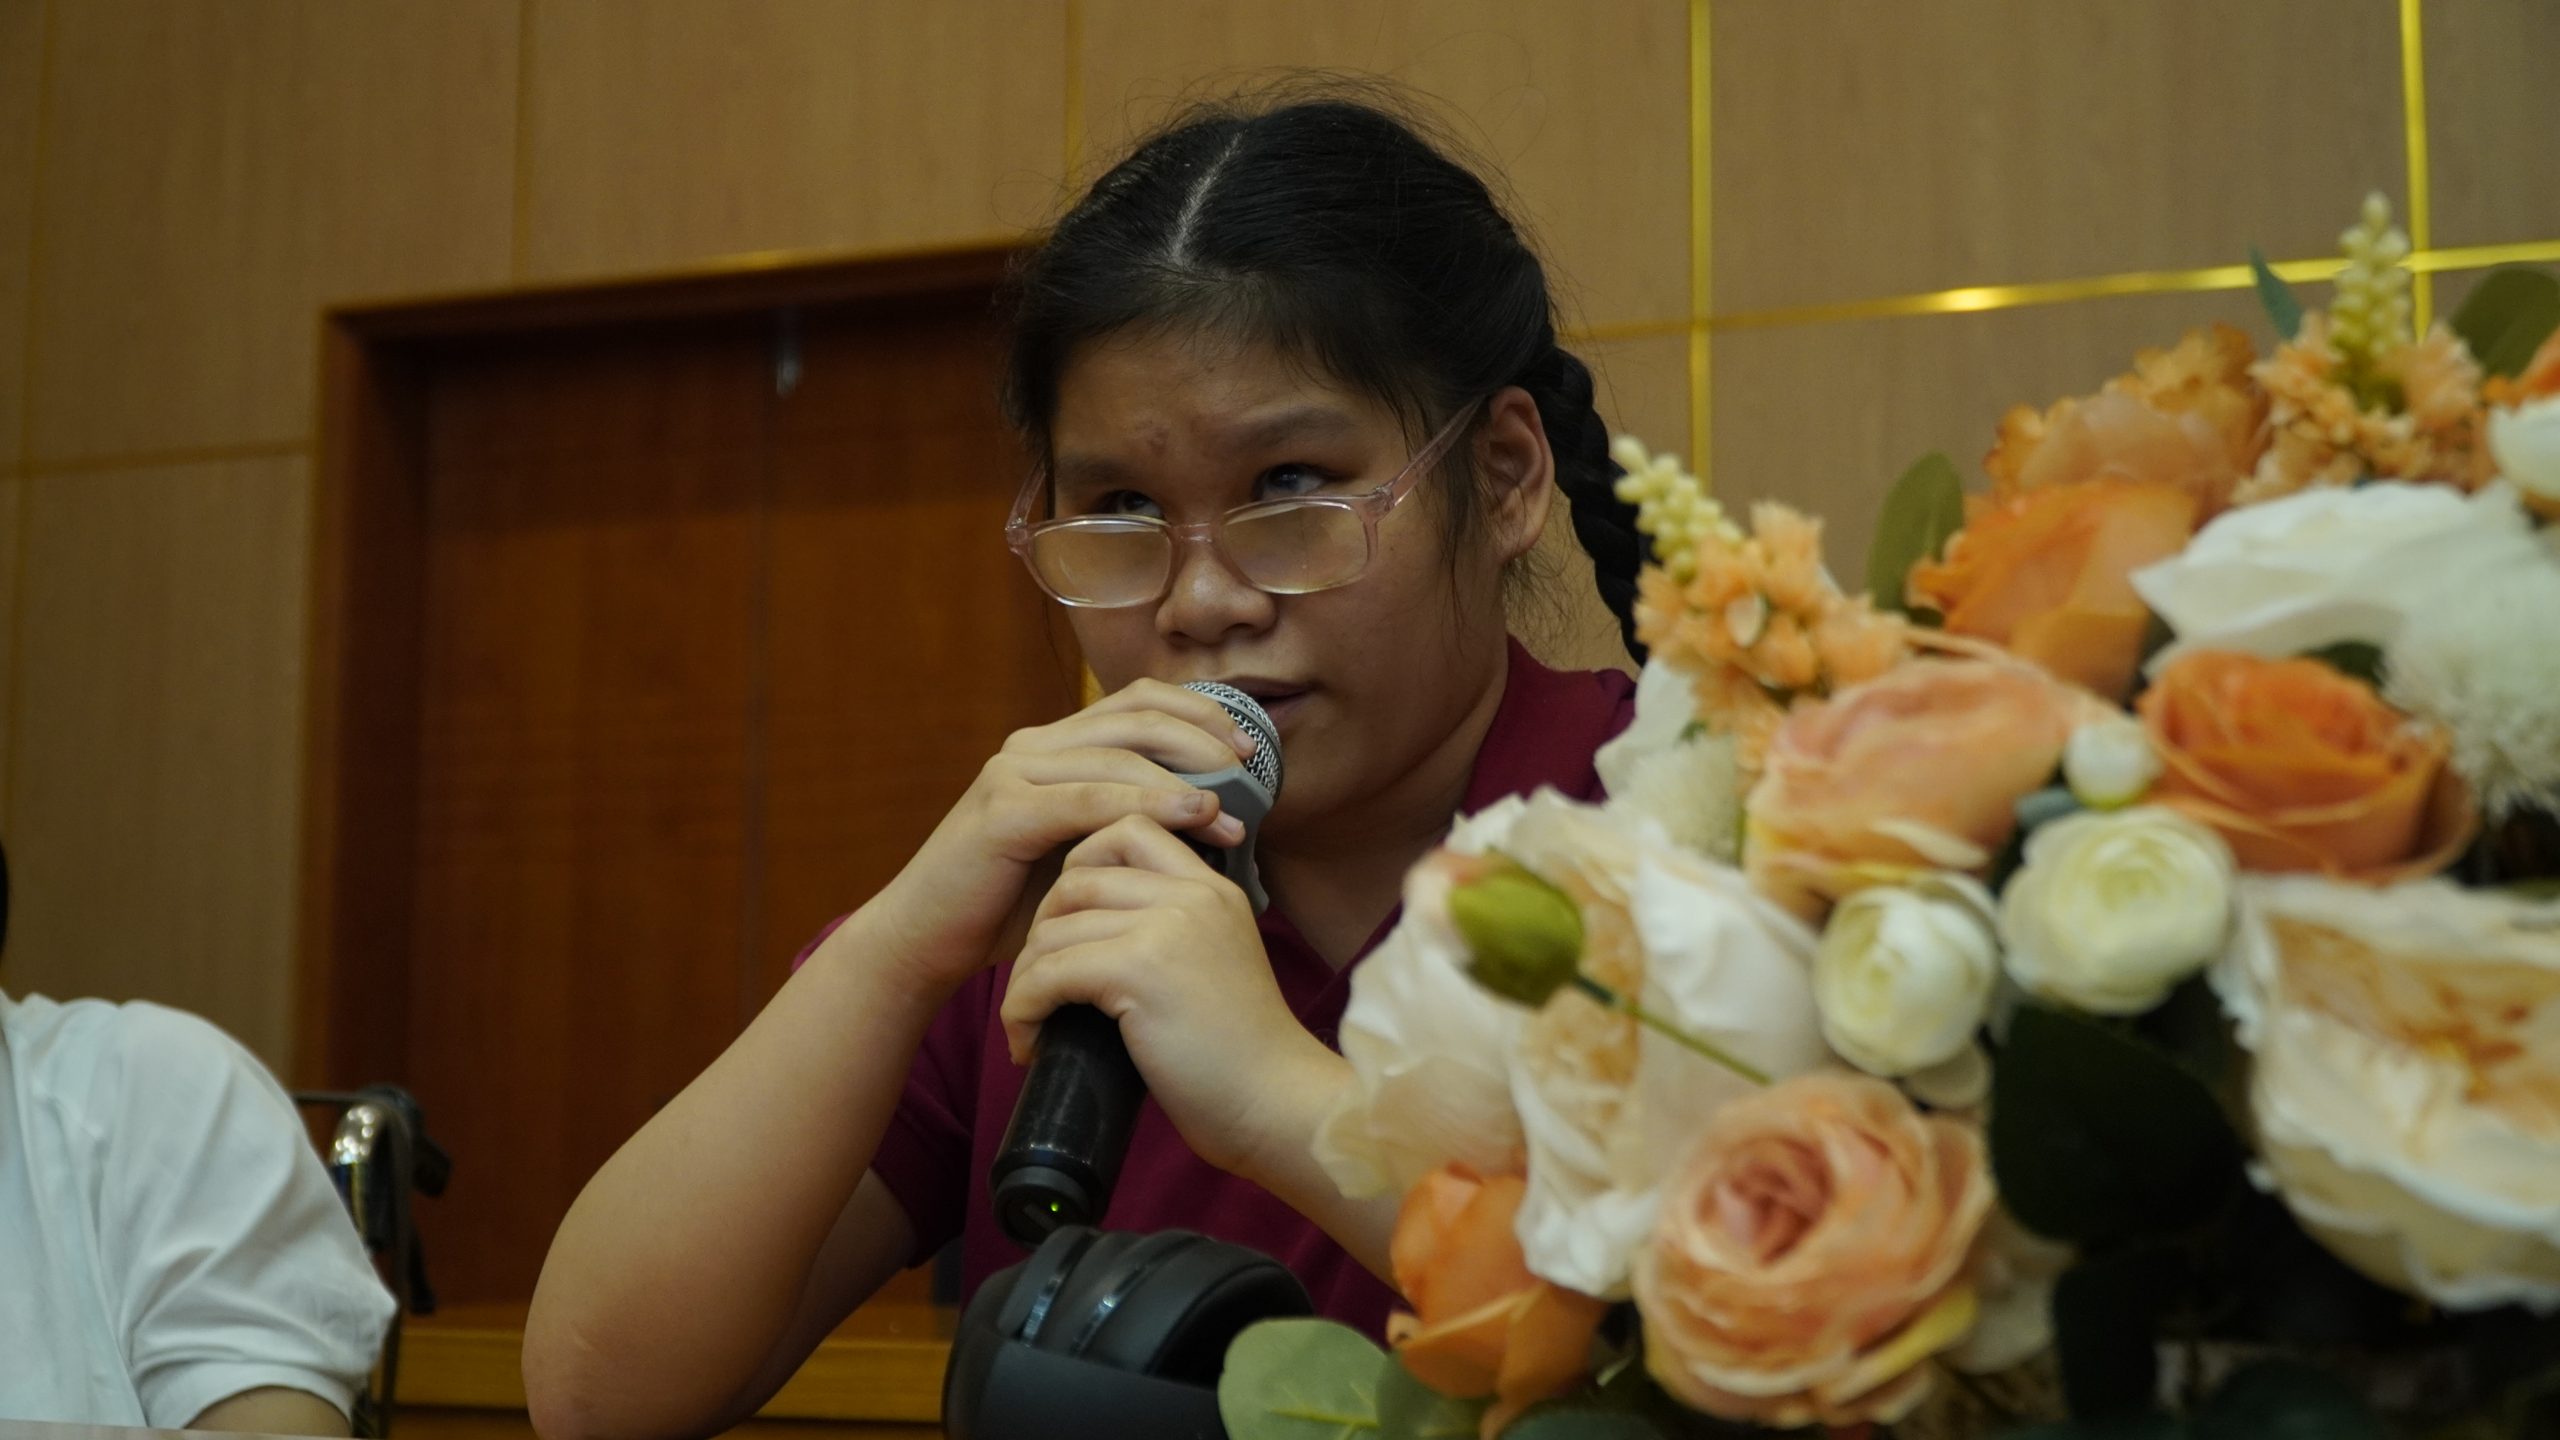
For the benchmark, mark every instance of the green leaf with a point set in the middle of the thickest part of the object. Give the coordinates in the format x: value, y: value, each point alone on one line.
x: 2356, y: 659
x: 2106, y: 1319
x: 2507, y: 317
x: 1411, y: 1410
x: 1924, y: 507
x: 2283, y: 310
x: 1301, y: 1380
x: 2285, y: 1400
x: 2096, y: 1136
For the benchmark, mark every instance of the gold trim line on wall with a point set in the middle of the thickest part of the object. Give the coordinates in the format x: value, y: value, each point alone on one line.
x: 1967, y: 299
x: 2413, y: 118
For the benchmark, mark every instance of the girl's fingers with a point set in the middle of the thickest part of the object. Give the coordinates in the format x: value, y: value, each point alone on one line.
x: 1074, y: 975
x: 1181, y: 729
x: 1136, y: 845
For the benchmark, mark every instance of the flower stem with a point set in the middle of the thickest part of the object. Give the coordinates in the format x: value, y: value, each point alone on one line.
x: 1626, y: 1005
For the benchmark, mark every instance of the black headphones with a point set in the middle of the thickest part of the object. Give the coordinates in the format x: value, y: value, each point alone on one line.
x: 1106, y: 1336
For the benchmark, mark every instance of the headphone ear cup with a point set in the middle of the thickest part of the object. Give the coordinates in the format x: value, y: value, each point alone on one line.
x: 1108, y: 1335
x: 1169, y: 1304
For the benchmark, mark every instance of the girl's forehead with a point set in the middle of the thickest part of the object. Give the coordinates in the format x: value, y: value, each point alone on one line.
x: 1171, y: 389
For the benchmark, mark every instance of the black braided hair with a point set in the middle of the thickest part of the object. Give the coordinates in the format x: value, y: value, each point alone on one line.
x: 1336, y: 232
x: 1604, y: 524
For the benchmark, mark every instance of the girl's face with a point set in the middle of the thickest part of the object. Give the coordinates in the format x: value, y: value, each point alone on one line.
x: 1371, y: 683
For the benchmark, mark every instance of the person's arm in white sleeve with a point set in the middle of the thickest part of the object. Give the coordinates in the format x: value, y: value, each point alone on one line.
x: 237, y: 1269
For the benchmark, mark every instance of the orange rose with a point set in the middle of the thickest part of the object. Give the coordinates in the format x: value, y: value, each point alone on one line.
x: 2540, y: 380
x: 2188, y: 416
x: 2302, y: 768
x: 2044, y: 573
x: 1812, y: 1252
x: 1485, y: 1326
x: 1918, y: 769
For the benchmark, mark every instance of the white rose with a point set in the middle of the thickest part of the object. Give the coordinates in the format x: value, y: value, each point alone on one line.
x: 2405, y: 1047
x: 1661, y: 768
x: 2328, y: 565
x: 2526, y: 444
x: 2111, y: 910
x: 1430, y: 1049
x: 1605, y: 1105
x: 2109, y: 762
x: 1903, y: 974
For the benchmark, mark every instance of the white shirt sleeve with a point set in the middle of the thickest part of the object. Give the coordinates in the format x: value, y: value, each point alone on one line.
x: 233, y: 1264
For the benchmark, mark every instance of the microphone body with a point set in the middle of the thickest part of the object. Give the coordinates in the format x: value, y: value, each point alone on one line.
x: 1070, y: 1129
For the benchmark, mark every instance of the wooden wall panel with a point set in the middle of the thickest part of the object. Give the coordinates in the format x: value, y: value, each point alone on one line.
x: 13, y: 494
x: 1583, y: 107
x: 906, y: 641
x: 664, y: 131
x: 157, y: 761
x: 1877, y: 147
x: 590, y: 600
x: 1825, y: 417
x: 21, y: 63
x: 216, y: 172
x: 2492, y: 115
x: 1643, y: 388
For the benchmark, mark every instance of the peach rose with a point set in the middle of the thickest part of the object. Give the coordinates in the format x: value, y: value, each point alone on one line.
x: 1813, y: 1251
x: 2303, y: 768
x: 2188, y: 416
x: 2045, y: 573
x: 1918, y: 769
x: 1484, y: 1325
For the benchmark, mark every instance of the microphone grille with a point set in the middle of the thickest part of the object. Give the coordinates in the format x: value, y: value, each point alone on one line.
x: 1248, y: 712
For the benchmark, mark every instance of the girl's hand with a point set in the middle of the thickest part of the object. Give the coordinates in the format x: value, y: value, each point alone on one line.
x: 1049, y: 787
x: 1138, y: 927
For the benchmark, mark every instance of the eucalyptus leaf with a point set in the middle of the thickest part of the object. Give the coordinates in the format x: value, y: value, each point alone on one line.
x: 1301, y: 1380
x: 1411, y: 1410
x: 1924, y: 507
x: 2507, y: 317
x: 2356, y: 659
x: 2283, y: 310
x: 2096, y: 1136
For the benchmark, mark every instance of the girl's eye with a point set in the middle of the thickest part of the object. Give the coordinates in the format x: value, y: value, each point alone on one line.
x: 1283, y: 482
x: 1127, y: 502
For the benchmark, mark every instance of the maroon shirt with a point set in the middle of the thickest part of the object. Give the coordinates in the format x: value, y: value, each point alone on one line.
x: 952, y: 1114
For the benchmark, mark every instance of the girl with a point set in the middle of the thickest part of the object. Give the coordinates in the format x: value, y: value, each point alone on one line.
x: 1294, y: 383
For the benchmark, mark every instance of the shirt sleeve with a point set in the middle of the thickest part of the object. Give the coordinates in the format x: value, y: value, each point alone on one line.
x: 924, y: 1154
x: 232, y: 1264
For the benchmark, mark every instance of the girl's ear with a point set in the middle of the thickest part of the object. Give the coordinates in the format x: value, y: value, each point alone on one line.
x: 1519, y: 470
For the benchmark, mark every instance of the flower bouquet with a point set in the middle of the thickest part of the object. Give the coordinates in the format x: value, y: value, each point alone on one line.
x: 2106, y: 979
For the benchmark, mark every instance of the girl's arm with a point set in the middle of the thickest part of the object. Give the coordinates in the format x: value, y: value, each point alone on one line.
x: 713, y: 1251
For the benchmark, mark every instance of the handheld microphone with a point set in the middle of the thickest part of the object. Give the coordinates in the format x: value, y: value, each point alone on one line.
x: 1070, y: 1130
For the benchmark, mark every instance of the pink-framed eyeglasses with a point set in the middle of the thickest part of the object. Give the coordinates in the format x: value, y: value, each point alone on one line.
x: 1297, y: 545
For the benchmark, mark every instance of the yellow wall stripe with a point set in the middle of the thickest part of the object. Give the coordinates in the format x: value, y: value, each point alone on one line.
x: 1967, y: 299
x: 2413, y: 116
